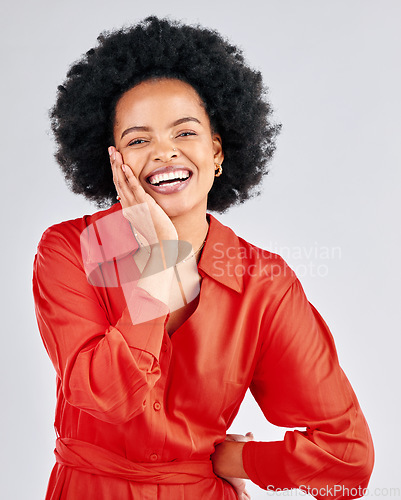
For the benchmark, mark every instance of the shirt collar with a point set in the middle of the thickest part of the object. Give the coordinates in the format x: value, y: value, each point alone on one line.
x: 220, y: 257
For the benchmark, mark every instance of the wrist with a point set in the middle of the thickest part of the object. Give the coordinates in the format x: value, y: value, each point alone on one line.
x: 162, y: 256
x: 227, y: 460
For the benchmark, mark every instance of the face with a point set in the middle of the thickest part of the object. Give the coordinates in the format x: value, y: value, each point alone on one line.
x: 163, y: 133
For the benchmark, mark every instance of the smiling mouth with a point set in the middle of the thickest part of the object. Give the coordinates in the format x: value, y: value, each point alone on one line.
x: 162, y: 179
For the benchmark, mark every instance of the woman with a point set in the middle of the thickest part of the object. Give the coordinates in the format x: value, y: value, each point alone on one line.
x: 157, y: 317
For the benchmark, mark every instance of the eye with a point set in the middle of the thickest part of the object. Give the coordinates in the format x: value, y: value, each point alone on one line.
x: 136, y: 142
x: 186, y: 134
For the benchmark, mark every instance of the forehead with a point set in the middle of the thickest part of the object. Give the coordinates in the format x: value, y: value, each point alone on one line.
x: 157, y: 99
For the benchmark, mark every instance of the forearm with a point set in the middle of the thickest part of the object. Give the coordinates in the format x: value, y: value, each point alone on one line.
x: 227, y: 460
x: 158, y: 273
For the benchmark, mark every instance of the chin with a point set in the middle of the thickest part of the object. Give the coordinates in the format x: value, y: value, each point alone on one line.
x: 181, y: 205
x: 176, y: 209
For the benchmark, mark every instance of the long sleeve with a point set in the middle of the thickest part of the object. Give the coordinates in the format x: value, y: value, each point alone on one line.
x: 105, y: 369
x: 298, y: 383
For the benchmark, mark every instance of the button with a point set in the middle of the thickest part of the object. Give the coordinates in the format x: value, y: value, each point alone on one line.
x: 157, y: 406
x: 164, y: 347
x: 153, y: 457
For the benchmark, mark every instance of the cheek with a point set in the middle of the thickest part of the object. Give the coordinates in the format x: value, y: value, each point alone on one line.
x: 133, y: 159
x: 201, y: 154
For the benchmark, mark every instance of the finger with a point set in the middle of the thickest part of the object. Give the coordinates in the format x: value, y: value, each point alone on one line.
x: 137, y: 189
x: 115, y: 167
x: 120, y: 180
x: 133, y: 184
x: 240, y: 437
x: 234, y: 437
x: 127, y: 184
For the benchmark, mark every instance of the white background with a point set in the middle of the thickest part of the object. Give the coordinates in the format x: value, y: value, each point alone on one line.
x: 333, y: 68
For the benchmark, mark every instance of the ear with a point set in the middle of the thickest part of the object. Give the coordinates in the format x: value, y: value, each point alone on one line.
x: 218, y: 149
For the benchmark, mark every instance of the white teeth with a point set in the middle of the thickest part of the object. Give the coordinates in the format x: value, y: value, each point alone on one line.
x: 179, y: 174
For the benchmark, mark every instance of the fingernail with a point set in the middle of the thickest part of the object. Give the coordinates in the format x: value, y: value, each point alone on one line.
x: 123, y: 168
x: 110, y: 150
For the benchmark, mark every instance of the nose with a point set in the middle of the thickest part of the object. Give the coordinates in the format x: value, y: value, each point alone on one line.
x: 165, y: 151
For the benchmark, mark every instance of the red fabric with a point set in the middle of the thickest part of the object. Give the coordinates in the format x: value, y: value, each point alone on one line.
x: 128, y: 388
x: 87, y: 457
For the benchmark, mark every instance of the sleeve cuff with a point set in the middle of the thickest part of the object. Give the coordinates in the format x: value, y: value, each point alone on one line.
x: 264, y: 464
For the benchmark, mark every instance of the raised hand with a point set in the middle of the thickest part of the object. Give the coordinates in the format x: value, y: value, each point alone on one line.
x: 137, y: 204
x: 152, y: 228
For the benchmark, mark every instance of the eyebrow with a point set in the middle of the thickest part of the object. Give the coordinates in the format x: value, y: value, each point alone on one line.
x: 147, y: 129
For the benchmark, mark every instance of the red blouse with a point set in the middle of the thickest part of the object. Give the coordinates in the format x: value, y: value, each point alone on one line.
x: 139, y: 412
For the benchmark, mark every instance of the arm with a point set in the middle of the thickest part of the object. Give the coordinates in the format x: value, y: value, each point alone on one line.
x: 106, y: 369
x: 298, y: 383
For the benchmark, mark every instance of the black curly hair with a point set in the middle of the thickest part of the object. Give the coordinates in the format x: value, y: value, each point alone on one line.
x: 233, y: 95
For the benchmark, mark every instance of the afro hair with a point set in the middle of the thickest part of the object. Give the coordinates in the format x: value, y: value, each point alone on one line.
x: 233, y: 94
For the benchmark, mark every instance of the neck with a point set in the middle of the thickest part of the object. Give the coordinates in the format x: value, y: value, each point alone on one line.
x: 192, y: 227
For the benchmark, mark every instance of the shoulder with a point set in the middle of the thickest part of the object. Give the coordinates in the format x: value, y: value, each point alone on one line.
x: 66, y: 235
x: 265, y: 274
x: 270, y: 265
x: 256, y: 270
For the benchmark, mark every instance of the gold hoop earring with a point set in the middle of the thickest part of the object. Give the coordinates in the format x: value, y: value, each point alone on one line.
x: 218, y: 171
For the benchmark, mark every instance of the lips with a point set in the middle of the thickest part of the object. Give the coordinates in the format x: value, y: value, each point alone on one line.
x: 170, y: 179
x: 168, y: 174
